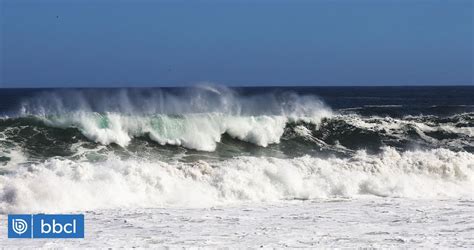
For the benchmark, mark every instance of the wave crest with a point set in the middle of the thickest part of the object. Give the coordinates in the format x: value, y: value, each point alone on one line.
x: 194, y: 131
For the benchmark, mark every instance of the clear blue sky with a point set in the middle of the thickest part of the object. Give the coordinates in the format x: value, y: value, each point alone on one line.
x: 294, y: 42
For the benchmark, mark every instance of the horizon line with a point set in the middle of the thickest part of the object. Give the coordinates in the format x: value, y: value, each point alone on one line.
x: 234, y: 86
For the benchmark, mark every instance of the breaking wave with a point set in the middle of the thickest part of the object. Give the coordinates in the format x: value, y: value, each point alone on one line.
x: 208, y: 146
x: 204, y: 131
x: 193, y: 131
x: 64, y: 185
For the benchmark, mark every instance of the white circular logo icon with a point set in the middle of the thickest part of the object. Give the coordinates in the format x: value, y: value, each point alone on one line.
x: 19, y: 226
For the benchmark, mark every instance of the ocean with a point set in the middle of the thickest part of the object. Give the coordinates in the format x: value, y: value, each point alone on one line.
x: 243, y: 167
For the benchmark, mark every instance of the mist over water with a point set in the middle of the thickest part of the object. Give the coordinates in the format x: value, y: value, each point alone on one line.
x: 162, y: 147
x: 172, y: 101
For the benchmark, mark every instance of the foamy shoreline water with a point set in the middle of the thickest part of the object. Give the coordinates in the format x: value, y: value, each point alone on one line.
x: 368, y: 222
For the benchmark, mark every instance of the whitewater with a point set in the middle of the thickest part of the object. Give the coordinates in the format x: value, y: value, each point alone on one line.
x: 213, y: 166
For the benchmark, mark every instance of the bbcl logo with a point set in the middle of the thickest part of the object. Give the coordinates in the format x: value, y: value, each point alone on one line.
x: 46, y: 226
x: 20, y: 224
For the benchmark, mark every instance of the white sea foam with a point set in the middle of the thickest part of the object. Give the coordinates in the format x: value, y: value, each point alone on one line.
x: 195, y: 131
x: 14, y: 155
x: 396, y: 126
x: 339, y: 223
x: 64, y: 185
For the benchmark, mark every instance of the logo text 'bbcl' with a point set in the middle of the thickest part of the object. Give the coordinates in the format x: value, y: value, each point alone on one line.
x: 46, y: 226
